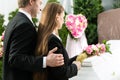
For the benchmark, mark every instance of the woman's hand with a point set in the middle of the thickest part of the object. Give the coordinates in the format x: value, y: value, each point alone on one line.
x: 78, y: 64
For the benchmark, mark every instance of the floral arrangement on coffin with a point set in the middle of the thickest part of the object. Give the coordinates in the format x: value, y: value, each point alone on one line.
x: 1, y: 44
x: 76, y: 24
x: 92, y: 50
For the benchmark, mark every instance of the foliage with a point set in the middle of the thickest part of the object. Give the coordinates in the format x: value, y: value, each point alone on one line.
x: 89, y: 8
x: 91, y: 33
x: 35, y: 20
x: 1, y: 23
x: 107, y: 46
x: 116, y: 4
x: 52, y: 1
x: 12, y: 14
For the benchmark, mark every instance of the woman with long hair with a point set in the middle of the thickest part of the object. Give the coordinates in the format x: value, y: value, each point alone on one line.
x: 48, y: 37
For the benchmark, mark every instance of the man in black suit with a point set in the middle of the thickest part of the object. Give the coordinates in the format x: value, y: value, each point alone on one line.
x: 19, y: 60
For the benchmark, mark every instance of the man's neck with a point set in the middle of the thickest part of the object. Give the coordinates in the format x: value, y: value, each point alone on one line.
x: 26, y: 10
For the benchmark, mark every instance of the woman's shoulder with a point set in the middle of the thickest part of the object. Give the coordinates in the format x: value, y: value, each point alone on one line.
x: 54, y: 41
x: 52, y: 37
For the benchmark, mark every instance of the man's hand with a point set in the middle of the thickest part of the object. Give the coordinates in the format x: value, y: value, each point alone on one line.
x: 54, y: 60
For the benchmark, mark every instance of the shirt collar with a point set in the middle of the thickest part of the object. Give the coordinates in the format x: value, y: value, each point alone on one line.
x: 57, y: 36
x: 27, y: 14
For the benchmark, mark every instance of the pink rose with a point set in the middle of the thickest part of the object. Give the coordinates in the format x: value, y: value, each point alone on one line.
x: 102, y: 48
x: 89, y: 49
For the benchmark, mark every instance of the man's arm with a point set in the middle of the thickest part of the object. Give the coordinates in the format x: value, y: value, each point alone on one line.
x: 22, y: 45
x: 52, y: 59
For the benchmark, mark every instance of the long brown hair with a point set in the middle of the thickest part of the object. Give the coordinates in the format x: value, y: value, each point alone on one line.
x: 47, y: 25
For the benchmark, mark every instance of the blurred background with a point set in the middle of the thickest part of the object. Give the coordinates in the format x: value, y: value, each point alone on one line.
x: 90, y: 8
x: 7, y: 6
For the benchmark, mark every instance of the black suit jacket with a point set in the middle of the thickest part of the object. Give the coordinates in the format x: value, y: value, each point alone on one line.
x: 66, y: 71
x: 19, y: 61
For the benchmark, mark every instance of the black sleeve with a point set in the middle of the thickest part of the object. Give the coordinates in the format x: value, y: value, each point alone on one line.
x: 65, y: 71
x: 72, y: 59
x: 22, y: 49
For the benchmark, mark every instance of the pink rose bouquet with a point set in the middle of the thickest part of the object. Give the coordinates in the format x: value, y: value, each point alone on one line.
x: 92, y: 50
x: 76, y: 24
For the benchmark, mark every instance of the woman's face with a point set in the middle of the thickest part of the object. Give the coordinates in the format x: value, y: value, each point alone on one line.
x: 61, y: 19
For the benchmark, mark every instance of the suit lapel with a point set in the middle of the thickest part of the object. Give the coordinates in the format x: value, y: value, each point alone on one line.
x: 23, y: 15
x: 10, y: 29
